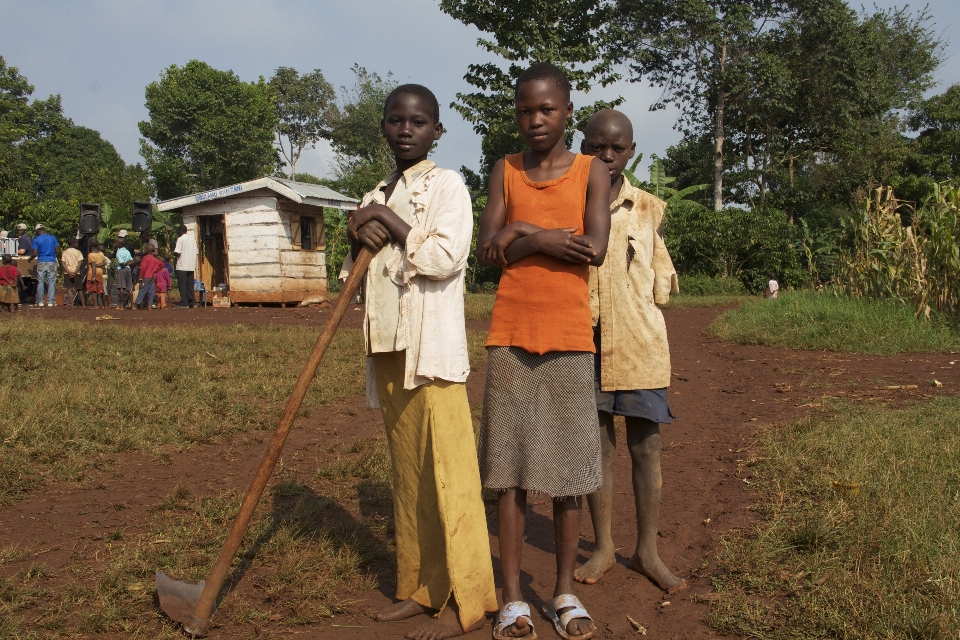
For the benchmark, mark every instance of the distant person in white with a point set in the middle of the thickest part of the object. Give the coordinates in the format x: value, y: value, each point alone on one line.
x: 773, y: 287
x: 186, y: 252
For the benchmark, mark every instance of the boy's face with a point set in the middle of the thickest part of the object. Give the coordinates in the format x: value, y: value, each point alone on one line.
x: 611, y: 143
x: 542, y: 113
x: 409, y: 127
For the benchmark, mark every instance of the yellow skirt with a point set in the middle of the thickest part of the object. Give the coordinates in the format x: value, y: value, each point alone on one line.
x: 442, y: 544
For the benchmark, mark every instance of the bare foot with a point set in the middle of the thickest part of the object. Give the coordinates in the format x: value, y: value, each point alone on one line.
x: 446, y: 625
x: 400, y: 611
x: 658, y: 574
x: 593, y: 569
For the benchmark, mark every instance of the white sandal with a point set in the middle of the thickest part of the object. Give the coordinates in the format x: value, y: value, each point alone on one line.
x: 574, y: 611
x: 508, y: 615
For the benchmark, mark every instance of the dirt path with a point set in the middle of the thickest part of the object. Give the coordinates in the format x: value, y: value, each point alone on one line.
x: 721, y: 395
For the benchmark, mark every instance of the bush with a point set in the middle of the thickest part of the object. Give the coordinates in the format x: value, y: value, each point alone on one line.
x: 698, y: 284
x: 744, y: 244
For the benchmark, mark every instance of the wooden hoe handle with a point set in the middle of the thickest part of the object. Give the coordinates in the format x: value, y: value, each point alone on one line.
x: 200, y: 622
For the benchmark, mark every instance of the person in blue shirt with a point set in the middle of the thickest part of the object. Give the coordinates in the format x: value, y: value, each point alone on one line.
x: 46, y: 247
x: 124, y: 274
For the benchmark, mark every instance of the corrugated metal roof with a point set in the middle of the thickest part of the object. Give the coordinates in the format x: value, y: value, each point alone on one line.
x: 300, y: 192
x: 308, y: 190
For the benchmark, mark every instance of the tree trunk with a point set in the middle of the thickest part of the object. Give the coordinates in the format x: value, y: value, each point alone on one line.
x: 718, y: 137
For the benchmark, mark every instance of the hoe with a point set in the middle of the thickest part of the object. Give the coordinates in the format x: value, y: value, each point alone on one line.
x: 192, y: 603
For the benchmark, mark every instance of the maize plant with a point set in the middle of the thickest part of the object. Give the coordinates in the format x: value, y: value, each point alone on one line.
x: 918, y: 263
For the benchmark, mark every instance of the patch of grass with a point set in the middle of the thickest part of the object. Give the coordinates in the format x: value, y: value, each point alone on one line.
x: 478, y: 306
x: 682, y: 301
x: 74, y: 392
x: 824, y: 321
x: 697, y: 284
x: 859, y: 535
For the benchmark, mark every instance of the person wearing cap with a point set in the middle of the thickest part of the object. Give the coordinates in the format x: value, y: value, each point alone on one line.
x: 24, y: 242
x: 45, y: 246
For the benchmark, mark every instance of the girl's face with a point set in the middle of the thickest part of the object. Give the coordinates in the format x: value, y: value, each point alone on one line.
x: 409, y: 127
x: 542, y: 113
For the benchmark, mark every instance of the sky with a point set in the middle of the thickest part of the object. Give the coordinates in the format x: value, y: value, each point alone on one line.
x: 99, y: 55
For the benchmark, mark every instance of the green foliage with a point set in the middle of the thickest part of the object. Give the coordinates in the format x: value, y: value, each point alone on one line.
x: 305, y: 106
x: 734, y: 243
x: 659, y: 181
x: 916, y: 263
x: 857, y: 537
x: 938, y: 145
x: 826, y: 321
x: 335, y: 230
x: 698, y: 284
x: 567, y: 33
x: 207, y: 128
x: 479, y: 278
x: 363, y: 157
x: 49, y: 165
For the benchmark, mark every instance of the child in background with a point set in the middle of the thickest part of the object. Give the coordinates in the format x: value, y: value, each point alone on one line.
x: 546, y: 221
x: 149, y: 266
x: 124, y: 274
x: 70, y: 260
x: 10, y: 283
x: 96, y: 267
x: 418, y: 223
x: 632, y: 363
x: 773, y: 288
x: 163, y: 284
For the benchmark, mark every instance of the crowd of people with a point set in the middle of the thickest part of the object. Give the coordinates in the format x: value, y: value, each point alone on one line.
x: 127, y: 277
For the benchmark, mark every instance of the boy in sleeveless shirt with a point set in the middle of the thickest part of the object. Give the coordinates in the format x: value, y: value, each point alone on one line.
x: 545, y: 222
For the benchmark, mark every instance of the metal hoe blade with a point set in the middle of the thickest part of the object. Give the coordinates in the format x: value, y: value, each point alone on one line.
x: 178, y: 599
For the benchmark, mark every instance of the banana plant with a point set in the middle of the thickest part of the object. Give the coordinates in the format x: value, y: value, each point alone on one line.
x: 659, y: 181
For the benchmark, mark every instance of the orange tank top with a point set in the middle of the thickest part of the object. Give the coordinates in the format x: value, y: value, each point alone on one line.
x: 543, y: 303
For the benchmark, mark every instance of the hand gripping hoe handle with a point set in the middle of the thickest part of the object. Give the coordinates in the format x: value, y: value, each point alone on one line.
x: 192, y: 604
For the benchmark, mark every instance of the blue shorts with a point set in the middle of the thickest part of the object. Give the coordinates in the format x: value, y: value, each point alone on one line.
x: 651, y: 404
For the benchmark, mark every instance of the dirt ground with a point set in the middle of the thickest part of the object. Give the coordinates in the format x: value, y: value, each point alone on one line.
x: 721, y: 395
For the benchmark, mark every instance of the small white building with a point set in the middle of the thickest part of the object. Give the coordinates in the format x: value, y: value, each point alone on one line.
x: 264, y: 238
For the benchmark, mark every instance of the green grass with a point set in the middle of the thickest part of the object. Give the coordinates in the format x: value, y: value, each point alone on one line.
x: 824, y: 321
x: 478, y: 306
x: 75, y: 394
x: 860, y: 529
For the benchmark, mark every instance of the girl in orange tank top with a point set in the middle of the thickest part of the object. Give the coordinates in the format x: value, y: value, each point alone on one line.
x: 543, y: 302
x: 547, y: 220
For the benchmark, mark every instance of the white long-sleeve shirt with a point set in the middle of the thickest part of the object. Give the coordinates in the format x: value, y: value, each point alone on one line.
x: 425, y: 278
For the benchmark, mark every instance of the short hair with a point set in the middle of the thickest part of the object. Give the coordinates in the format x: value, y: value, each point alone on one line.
x: 7, y: 259
x: 72, y: 242
x: 419, y: 91
x: 182, y: 229
x: 545, y: 71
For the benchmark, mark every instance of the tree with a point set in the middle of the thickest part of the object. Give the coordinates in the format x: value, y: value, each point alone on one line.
x: 938, y: 145
x: 363, y: 157
x: 305, y: 106
x: 567, y: 33
x: 207, y: 128
x: 48, y: 165
x: 700, y: 52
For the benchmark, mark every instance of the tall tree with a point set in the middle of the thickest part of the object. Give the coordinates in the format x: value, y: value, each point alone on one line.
x: 207, y: 128
x: 938, y: 145
x: 567, y: 33
x: 700, y: 52
x: 362, y: 156
x: 48, y: 165
x: 305, y: 107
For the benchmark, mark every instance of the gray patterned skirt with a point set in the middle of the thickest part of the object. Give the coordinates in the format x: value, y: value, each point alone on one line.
x: 539, y: 429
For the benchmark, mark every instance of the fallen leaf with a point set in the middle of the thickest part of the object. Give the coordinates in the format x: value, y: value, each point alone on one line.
x: 665, y: 603
x: 707, y: 521
x: 162, y: 541
x: 937, y: 383
x: 275, y: 617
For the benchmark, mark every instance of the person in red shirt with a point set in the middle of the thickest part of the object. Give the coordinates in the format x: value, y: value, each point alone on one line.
x: 163, y: 284
x: 9, y: 283
x: 150, y: 264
